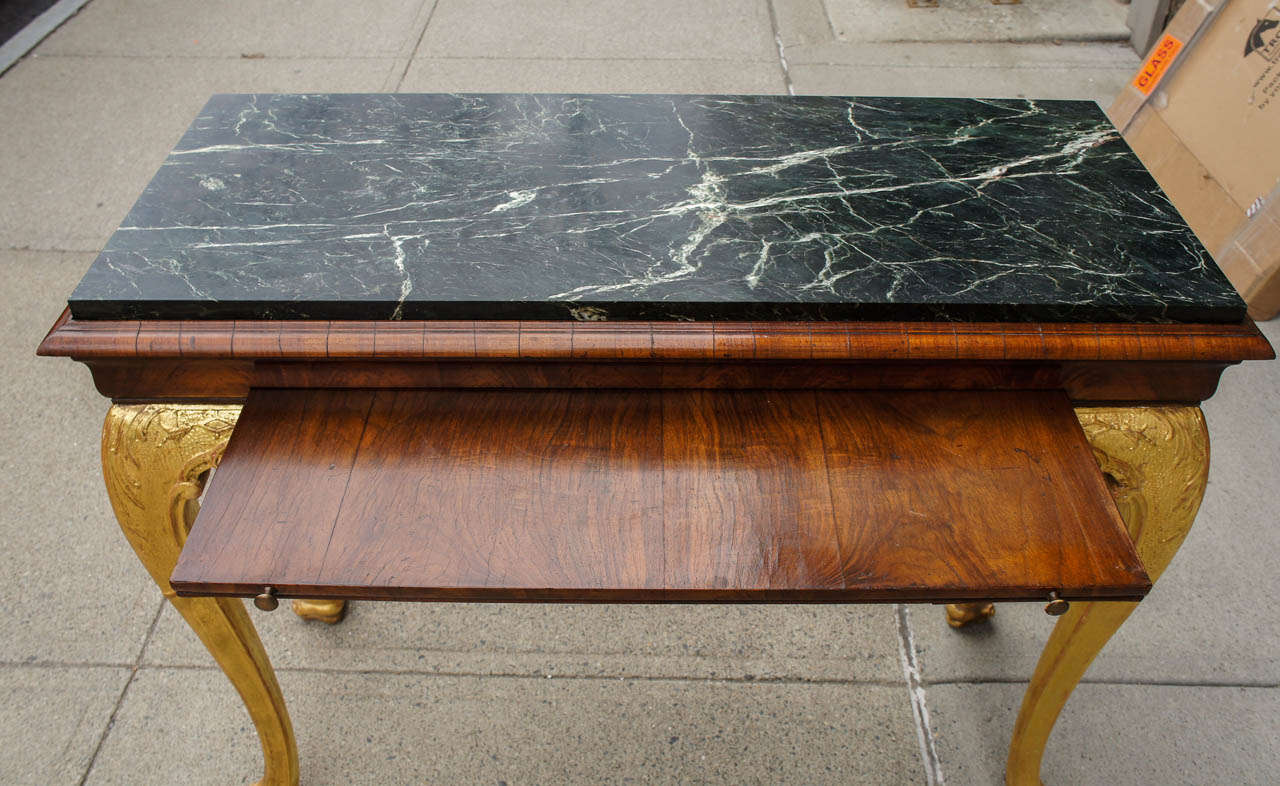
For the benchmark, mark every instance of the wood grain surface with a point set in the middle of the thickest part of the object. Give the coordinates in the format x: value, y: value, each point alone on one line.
x: 659, y: 496
x: 1084, y: 382
x: 221, y: 361
x: 686, y: 341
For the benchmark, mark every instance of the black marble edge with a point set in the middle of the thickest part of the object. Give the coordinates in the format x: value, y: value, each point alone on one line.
x: 482, y: 311
x: 623, y: 94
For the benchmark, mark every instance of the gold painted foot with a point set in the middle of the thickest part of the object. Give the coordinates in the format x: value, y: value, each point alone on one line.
x: 328, y: 611
x: 1156, y: 460
x: 156, y: 459
x: 960, y: 615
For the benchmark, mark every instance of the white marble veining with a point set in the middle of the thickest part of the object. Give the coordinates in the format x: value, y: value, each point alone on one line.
x: 654, y: 207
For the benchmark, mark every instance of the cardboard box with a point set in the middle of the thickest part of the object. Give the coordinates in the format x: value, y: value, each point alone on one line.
x: 1203, y: 113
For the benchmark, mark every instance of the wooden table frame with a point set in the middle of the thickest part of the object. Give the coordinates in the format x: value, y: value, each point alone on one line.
x: 177, y: 388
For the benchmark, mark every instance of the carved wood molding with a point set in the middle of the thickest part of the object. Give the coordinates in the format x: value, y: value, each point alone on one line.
x: 641, y: 341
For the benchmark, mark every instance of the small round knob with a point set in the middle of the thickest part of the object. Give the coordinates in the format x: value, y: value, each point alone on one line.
x: 267, y: 600
x: 1056, y: 606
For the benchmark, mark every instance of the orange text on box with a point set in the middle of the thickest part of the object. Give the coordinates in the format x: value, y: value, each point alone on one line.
x: 1153, y: 70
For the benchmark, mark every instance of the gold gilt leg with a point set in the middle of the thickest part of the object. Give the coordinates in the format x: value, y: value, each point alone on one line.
x: 330, y: 611
x: 961, y: 614
x: 156, y: 458
x: 1156, y: 460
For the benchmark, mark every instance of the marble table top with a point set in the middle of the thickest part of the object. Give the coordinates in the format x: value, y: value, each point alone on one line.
x: 595, y: 207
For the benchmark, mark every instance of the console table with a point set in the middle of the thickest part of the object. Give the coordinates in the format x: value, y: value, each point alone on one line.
x: 556, y: 348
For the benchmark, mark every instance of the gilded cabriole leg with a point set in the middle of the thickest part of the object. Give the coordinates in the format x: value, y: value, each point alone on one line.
x: 1156, y: 460
x: 155, y: 459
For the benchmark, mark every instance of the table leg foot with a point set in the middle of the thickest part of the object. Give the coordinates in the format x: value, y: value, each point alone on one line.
x: 960, y: 615
x: 327, y: 611
x: 155, y: 460
x: 1156, y: 461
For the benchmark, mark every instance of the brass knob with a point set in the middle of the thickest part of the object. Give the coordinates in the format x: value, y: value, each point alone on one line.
x: 267, y: 600
x: 1056, y: 606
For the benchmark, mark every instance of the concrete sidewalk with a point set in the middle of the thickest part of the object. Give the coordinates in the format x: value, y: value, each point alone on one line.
x: 103, y: 683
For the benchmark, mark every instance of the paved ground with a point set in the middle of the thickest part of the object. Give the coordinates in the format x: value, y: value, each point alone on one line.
x: 101, y: 683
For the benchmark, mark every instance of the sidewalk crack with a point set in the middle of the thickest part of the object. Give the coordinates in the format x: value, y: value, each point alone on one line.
x: 124, y: 692
x: 417, y: 45
x: 915, y: 686
x: 782, y: 50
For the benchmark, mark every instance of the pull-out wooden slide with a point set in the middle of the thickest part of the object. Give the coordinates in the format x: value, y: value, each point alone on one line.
x: 659, y: 496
